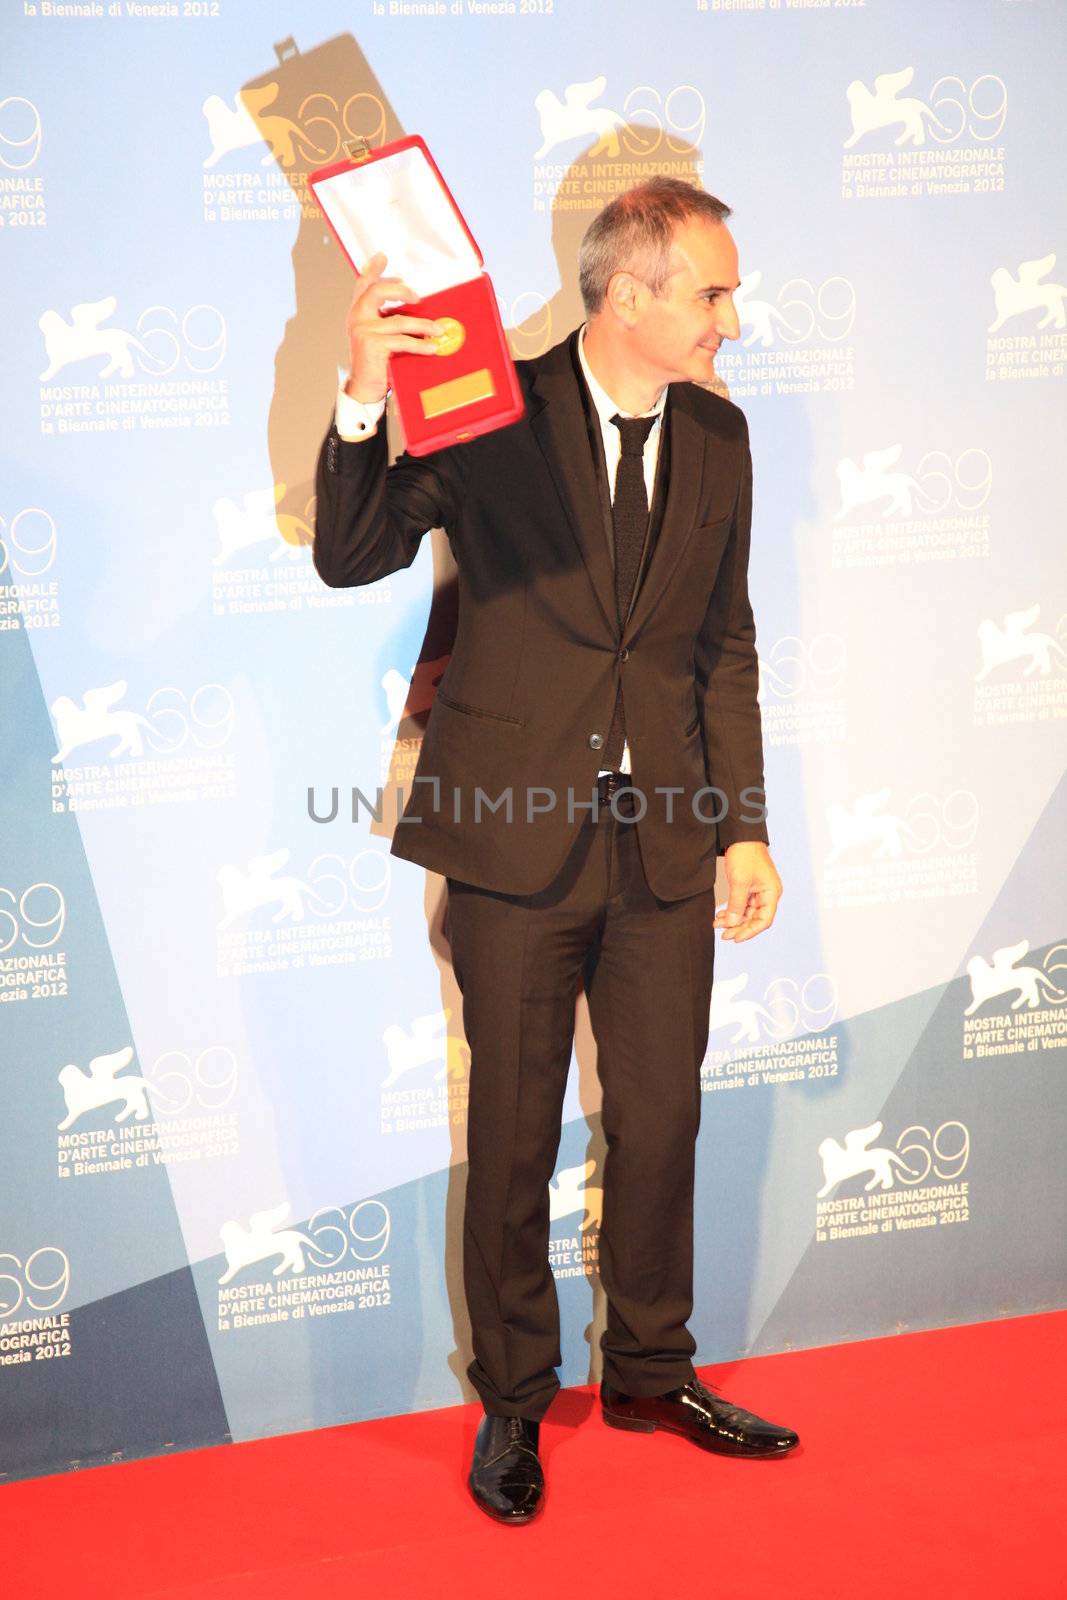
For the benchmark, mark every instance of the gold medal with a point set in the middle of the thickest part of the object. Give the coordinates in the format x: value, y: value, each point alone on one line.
x: 451, y: 337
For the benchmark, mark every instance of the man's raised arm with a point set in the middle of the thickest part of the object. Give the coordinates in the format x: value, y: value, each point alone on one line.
x: 369, y: 518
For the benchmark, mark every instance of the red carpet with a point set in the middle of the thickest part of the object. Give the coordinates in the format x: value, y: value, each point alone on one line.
x: 930, y: 1468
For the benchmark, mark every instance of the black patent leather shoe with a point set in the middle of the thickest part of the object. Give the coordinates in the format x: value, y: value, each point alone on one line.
x: 506, y: 1478
x: 697, y: 1413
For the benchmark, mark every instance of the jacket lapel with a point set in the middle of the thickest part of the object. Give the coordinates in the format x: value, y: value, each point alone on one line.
x: 559, y: 426
x: 560, y: 429
x: 687, y: 443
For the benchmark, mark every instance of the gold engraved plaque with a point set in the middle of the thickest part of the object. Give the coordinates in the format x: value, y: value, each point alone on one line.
x: 458, y: 392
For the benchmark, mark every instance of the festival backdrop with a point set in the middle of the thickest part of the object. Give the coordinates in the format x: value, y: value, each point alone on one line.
x: 233, y: 1065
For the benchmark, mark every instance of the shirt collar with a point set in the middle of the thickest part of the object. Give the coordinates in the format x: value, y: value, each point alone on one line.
x: 605, y: 405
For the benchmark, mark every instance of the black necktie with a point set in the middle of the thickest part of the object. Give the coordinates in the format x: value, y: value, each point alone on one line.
x: 629, y: 515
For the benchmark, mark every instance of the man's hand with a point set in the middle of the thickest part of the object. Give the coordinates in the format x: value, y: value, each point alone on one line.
x: 373, y: 338
x: 755, y: 890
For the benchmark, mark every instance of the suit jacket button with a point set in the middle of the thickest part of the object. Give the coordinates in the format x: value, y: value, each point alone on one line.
x: 624, y: 653
x: 596, y: 741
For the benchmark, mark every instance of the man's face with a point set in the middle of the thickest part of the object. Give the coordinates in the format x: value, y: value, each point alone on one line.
x: 677, y: 334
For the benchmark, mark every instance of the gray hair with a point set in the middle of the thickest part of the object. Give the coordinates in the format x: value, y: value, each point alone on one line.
x: 634, y: 233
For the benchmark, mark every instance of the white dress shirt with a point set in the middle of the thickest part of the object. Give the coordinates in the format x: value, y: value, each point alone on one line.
x: 606, y: 409
x: 357, y: 419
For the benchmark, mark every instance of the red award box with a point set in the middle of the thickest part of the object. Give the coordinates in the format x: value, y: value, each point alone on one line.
x: 395, y: 199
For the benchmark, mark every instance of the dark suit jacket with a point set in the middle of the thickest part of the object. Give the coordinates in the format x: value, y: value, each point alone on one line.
x: 526, y: 701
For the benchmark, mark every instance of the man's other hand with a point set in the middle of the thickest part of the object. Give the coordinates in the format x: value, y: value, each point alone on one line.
x: 755, y: 890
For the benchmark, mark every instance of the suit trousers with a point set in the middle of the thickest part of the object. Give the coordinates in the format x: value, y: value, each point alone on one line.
x: 647, y: 969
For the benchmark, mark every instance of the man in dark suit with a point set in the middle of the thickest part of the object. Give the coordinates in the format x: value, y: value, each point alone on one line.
x: 595, y: 745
